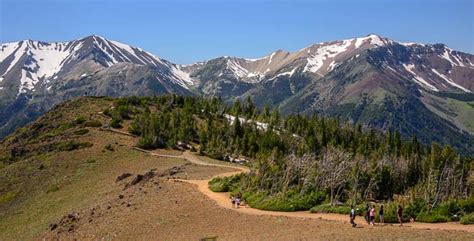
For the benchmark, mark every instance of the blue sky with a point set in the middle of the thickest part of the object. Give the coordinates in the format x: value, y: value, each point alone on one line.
x: 185, y: 31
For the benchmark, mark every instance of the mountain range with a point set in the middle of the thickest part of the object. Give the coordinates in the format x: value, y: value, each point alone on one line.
x: 417, y: 89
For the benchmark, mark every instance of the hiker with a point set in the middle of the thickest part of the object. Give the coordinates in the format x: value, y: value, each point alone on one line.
x: 367, y: 213
x: 372, y: 215
x: 237, y: 199
x: 400, y: 215
x: 381, y: 220
x: 232, y: 199
x: 352, y: 216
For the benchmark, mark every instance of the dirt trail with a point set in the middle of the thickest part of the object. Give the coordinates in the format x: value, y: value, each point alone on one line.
x: 222, y: 199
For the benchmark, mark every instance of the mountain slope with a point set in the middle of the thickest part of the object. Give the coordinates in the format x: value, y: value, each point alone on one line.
x: 366, y: 91
x: 370, y: 80
x: 37, y: 75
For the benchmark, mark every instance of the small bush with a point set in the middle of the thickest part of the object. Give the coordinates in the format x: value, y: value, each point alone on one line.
x: 146, y: 142
x: 291, y: 201
x: 467, y: 219
x: 90, y: 161
x: 109, y: 147
x: 432, y: 217
x: 79, y: 120
x: 134, y: 129
x: 340, y: 209
x: 94, y: 123
x: 107, y: 112
x: 328, y: 208
x: 115, y: 122
x: 72, y: 145
x: 416, y: 207
x: 81, y: 132
x: 467, y: 205
x: 7, y: 197
x: 52, y: 189
x: 224, y: 184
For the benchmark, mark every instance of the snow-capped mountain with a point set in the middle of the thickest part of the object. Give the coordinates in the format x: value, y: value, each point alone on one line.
x: 35, y: 75
x: 38, y: 64
x: 414, y: 88
x: 446, y: 72
x: 420, y: 89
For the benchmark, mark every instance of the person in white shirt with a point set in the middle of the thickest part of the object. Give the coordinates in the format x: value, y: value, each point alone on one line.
x: 352, y: 216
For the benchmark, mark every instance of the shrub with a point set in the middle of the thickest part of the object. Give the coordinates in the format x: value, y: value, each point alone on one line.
x: 224, y: 184
x: 93, y: 123
x: 290, y: 201
x: 107, y: 112
x: 328, y: 208
x: 467, y: 219
x: 449, y: 208
x: 90, y: 161
x: 72, y: 145
x: 432, y: 217
x: 124, y: 111
x: 79, y: 120
x: 109, y: 147
x: 115, y: 122
x: 467, y: 205
x: 52, y: 189
x: 81, y: 132
x: 415, y: 207
x: 146, y: 142
x: 7, y: 197
x: 134, y: 129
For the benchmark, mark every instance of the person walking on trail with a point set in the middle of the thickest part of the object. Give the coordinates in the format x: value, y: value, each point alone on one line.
x: 381, y: 220
x: 367, y: 213
x: 352, y: 216
x: 232, y: 199
x: 400, y: 215
x: 372, y: 215
x: 237, y: 199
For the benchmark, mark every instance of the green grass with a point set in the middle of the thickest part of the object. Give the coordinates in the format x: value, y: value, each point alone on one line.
x: 290, y: 201
x: 224, y: 184
x: 7, y: 197
x: 432, y: 217
x: 52, y: 189
x: 81, y: 132
x: 467, y: 219
x: 72, y: 145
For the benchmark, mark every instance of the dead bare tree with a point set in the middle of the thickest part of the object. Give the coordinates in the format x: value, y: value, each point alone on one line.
x: 333, y: 169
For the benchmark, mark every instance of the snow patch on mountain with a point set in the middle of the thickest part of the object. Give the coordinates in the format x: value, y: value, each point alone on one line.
x: 49, y: 57
x: 16, y: 55
x: 450, y: 81
x: 316, y: 60
x: 372, y: 39
x: 290, y: 73
x: 27, y: 82
x: 418, y: 79
x: 7, y: 49
x: 236, y: 68
x: 182, y: 77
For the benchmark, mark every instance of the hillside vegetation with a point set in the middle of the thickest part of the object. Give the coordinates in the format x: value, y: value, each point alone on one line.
x: 64, y: 162
x: 68, y: 159
x: 299, y: 162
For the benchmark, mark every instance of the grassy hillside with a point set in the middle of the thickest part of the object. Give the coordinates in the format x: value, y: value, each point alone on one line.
x: 62, y: 163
